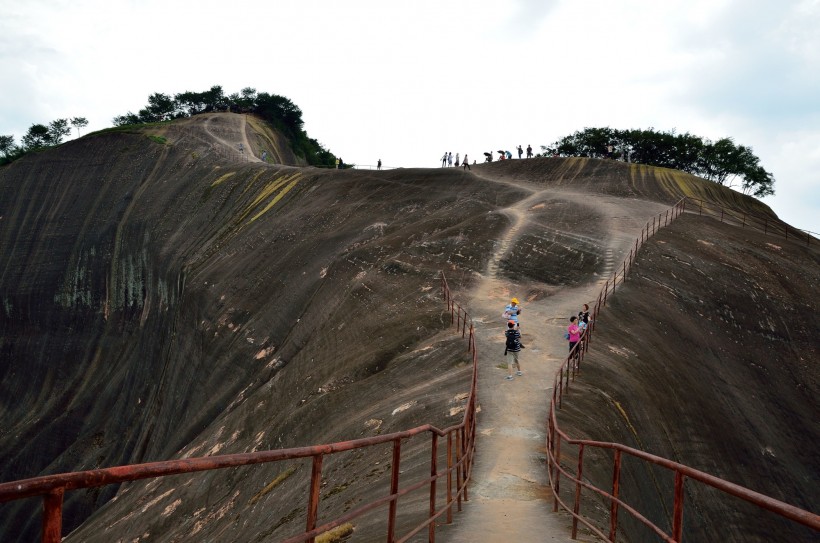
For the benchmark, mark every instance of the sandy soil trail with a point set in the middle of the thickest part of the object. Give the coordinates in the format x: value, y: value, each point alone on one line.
x: 510, y: 499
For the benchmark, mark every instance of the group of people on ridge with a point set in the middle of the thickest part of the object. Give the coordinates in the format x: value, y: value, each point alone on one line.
x: 576, y: 329
x: 447, y: 161
x: 506, y: 155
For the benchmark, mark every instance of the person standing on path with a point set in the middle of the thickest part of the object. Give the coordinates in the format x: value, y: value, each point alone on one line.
x: 379, y: 164
x: 520, y: 152
x: 449, y: 159
x: 513, y: 347
x: 574, y: 332
x: 512, y: 310
x: 444, y: 161
x: 529, y: 151
x: 466, y: 165
x: 583, y: 317
x: 456, y: 160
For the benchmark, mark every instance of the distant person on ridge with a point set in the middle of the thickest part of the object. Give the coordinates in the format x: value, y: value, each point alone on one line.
x: 444, y: 161
x: 456, y: 160
x: 529, y: 151
x: 379, y: 164
x: 509, y: 155
x: 449, y: 159
x: 520, y: 152
x: 341, y: 164
x: 465, y: 165
x: 513, y: 346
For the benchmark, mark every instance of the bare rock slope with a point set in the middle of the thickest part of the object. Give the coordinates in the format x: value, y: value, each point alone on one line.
x: 167, y: 294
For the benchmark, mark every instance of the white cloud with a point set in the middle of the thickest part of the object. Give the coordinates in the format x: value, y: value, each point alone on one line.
x: 405, y: 82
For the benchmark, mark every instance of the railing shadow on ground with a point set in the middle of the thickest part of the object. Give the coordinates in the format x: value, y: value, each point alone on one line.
x: 460, y: 447
x: 569, y: 371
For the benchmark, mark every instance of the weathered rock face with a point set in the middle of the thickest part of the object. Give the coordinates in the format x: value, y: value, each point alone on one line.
x: 165, y: 294
x: 147, y: 288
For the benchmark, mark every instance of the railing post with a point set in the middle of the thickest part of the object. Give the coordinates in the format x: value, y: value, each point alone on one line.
x: 561, y: 388
x: 431, y: 528
x: 557, y: 477
x: 313, y: 497
x: 394, y: 488
x: 616, y: 487
x: 666, y: 220
x: 53, y: 516
x: 459, y: 456
x: 677, y: 518
x: 449, y: 477
x: 577, y: 506
x: 606, y: 291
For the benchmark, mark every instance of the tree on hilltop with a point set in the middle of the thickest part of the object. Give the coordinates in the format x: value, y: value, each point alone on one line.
x: 721, y: 161
x: 37, y: 137
x: 79, y: 122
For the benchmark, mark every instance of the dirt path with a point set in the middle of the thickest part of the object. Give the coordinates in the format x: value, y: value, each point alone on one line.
x: 510, y: 498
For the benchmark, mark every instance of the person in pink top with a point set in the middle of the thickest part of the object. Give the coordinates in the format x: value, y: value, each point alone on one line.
x: 574, y: 332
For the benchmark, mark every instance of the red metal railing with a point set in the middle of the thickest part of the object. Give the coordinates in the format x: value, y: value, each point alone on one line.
x: 766, y: 224
x: 460, y: 448
x: 555, y: 437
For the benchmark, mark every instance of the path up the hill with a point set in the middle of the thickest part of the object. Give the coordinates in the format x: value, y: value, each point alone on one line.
x: 510, y: 499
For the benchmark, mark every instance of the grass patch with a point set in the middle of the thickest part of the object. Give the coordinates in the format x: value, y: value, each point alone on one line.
x: 340, y: 533
x: 273, y: 484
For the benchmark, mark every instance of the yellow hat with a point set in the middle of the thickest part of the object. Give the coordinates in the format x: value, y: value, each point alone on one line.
x: 514, y: 300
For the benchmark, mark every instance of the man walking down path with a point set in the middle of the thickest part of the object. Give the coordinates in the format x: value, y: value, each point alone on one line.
x: 512, y: 348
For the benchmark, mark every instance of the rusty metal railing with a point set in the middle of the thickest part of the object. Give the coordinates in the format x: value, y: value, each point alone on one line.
x: 765, y: 224
x: 460, y: 448
x: 555, y: 437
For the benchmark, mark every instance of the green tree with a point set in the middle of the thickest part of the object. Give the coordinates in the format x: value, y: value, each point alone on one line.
x: 124, y: 120
x: 57, y: 130
x: 37, y: 137
x: 6, y: 145
x: 160, y: 107
x: 79, y: 122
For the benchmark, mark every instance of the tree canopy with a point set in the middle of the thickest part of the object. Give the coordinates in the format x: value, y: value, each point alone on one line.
x: 720, y: 161
x: 38, y: 136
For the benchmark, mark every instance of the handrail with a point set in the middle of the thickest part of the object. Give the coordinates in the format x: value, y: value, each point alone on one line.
x: 569, y: 370
x: 460, y: 448
x: 762, y: 222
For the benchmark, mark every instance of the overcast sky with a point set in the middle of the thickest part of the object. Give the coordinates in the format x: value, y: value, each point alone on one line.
x: 407, y: 81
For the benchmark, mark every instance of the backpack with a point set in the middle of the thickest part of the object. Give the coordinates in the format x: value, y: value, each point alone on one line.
x: 566, y: 336
x: 510, y: 341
